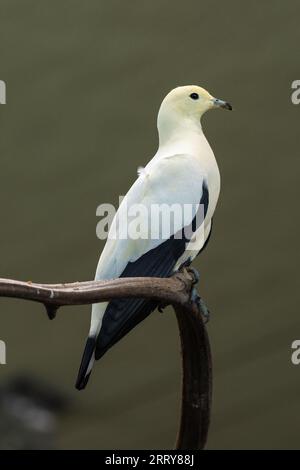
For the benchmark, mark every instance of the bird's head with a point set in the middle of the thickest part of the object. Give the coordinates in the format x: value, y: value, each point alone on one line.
x: 185, y: 105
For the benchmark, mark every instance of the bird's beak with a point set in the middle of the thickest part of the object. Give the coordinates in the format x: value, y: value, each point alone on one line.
x: 221, y: 104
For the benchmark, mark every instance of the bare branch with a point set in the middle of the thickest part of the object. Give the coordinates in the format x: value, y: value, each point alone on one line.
x: 175, y: 291
x: 196, y: 378
x: 171, y: 290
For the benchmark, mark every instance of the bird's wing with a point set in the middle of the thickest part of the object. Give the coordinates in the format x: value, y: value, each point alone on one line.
x: 174, y: 180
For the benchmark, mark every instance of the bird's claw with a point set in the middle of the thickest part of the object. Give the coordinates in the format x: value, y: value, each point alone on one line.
x: 195, y: 275
x: 204, y: 310
x: 185, y: 264
x: 186, y: 267
x: 202, y: 307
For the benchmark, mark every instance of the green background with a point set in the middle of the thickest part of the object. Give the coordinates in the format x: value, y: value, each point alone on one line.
x: 84, y: 84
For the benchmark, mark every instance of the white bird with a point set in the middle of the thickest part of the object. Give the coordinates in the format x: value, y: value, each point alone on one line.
x: 183, y: 172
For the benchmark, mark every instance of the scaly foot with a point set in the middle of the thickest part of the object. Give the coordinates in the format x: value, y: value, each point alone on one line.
x: 195, y: 297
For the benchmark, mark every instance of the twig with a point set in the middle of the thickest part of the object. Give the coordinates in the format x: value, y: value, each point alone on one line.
x: 175, y: 291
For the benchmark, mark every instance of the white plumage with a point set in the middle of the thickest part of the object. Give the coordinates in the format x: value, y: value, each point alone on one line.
x: 183, y: 171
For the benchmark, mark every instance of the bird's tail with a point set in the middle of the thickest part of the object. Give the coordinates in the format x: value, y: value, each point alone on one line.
x: 87, y: 362
x: 88, y: 357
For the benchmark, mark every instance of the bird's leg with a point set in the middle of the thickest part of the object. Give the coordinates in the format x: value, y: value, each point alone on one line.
x: 182, y: 268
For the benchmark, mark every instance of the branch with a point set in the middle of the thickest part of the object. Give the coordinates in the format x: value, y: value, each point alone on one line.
x: 175, y: 291
x: 196, y: 378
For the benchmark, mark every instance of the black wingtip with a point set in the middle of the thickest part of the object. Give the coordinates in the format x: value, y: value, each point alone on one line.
x: 83, y: 376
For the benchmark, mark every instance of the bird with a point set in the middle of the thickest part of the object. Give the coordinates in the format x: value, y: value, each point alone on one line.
x: 183, y: 172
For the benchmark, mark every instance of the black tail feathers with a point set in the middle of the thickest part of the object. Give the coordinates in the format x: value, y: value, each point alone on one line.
x: 84, y: 372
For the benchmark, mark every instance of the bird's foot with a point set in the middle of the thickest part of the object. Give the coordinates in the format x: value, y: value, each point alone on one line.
x: 194, y: 273
x: 186, y: 264
x: 201, y: 305
x: 186, y: 268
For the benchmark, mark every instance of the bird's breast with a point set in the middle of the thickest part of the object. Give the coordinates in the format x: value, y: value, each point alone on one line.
x: 210, y: 168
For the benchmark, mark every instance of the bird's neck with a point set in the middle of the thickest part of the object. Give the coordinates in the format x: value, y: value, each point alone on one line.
x: 184, y: 136
x: 177, y: 128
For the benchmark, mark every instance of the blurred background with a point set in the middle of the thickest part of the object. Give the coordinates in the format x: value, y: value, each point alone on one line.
x: 84, y: 84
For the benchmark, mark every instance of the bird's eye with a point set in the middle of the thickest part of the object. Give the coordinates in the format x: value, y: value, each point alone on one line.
x: 194, y: 96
